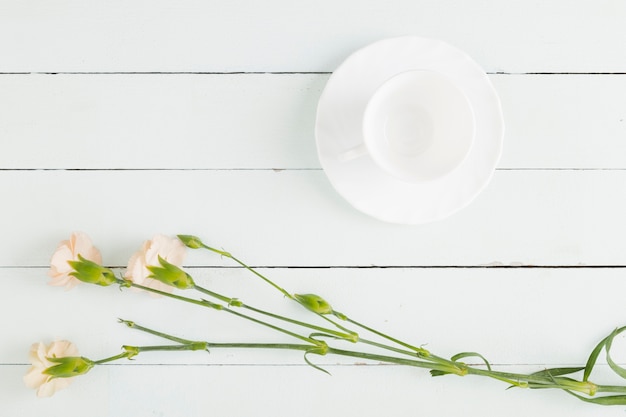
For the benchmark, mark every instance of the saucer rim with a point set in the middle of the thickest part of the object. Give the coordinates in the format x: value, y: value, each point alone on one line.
x: 483, y: 95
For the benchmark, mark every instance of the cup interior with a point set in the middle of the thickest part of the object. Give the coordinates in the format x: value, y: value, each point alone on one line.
x: 418, y: 126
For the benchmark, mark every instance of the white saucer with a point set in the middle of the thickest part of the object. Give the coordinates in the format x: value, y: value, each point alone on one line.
x: 360, y: 181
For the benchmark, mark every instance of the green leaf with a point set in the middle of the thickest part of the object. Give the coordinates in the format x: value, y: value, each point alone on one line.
x: 470, y: 355
x: 593, y: 357
x: 604, y: 400
x: 308, y: 362
x: 317, y: 335
x: 557, y: 371
x: 609, y: 342
x: 436, y: 372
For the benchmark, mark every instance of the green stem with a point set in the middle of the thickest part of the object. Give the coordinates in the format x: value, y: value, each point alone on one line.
x: 258, y: 274
x: 131, y: 351
x: 334, y: 323
x: 394, y: 360
x: 611, y: 388
x: 532, y: 381
x: 216, y: 345
x: 419, y: 350
x: 288, y: 346
x: 169, y: 348
x: 112, y: 358
x: 349, y: 335
x: 133, y: 325
x: 515, y: 379
x: 231, y: 301
x: 219, y: 307
x: 228, y: 300
x: 271, y: 326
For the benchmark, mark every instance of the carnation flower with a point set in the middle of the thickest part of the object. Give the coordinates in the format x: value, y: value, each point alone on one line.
x: 171, y: 250
x: 60, y: 270
x: 40, y: 356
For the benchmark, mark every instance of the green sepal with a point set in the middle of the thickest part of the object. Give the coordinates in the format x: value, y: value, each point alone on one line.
x: 91, y: 273
x: 68, y: 366
x: 131, y: 351
x: 437, y: 372
x: 170, y: 274
x: 192, y: 242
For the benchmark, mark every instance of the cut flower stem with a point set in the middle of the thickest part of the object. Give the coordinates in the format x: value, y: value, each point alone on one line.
x: 312, y: 338
x: 516, y: 379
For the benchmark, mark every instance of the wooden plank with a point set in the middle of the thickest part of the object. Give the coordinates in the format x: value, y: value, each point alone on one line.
x: 570, y: 121
x: 521, y: 319
x: 159, y: 121
x: 267, y: 121
x: 295, y: 218
x: 278, y: 35
x: 512, y: 316
x: 181, y: 391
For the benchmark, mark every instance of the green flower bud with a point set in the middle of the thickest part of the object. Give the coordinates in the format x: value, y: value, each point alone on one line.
x: 171, y: 275
x: 91, y: 272
x: 314, y: 302
x: 68, y: 367
x: 190, y: 241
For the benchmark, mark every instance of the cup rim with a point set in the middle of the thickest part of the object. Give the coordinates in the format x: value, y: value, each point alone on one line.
x: 416, y: 178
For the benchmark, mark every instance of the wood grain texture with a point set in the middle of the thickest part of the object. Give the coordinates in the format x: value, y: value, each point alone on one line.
x: 295, y: 218
x: 255, y: 121
x: 279, y: 35
x: 127, y: 119
x: 515, y: 316
x: 282, y: 391
x: 521, y: 319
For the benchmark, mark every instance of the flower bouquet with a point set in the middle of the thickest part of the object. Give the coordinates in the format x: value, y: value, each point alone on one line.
x: 157, y: 269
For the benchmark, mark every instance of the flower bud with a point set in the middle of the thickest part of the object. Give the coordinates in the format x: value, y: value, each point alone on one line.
x: 170, y: 274
x: 314, y: 302
x: 192, y: 242
x: 68, y: 366
x: 91, y: 272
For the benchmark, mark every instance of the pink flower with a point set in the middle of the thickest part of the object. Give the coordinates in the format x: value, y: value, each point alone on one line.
x: 45, y: 384
x: 170, y: 249
x: 78, y: 244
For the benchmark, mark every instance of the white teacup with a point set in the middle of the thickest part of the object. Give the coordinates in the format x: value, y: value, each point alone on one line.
x: 418, y: 126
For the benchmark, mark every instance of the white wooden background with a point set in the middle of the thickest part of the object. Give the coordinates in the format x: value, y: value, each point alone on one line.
x: 128, y: 118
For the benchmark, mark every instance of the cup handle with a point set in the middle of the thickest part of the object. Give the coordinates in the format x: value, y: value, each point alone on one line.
x: 353, y: 153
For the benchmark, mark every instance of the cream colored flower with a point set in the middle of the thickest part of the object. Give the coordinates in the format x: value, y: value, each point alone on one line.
x: 46, y: 385
x: 68, y: 250
x: 170, y: 249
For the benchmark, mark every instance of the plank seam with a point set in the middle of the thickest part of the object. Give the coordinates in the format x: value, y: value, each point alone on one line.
x: 275, y: 73
x: 514, y: 266
x: 267, y: 169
